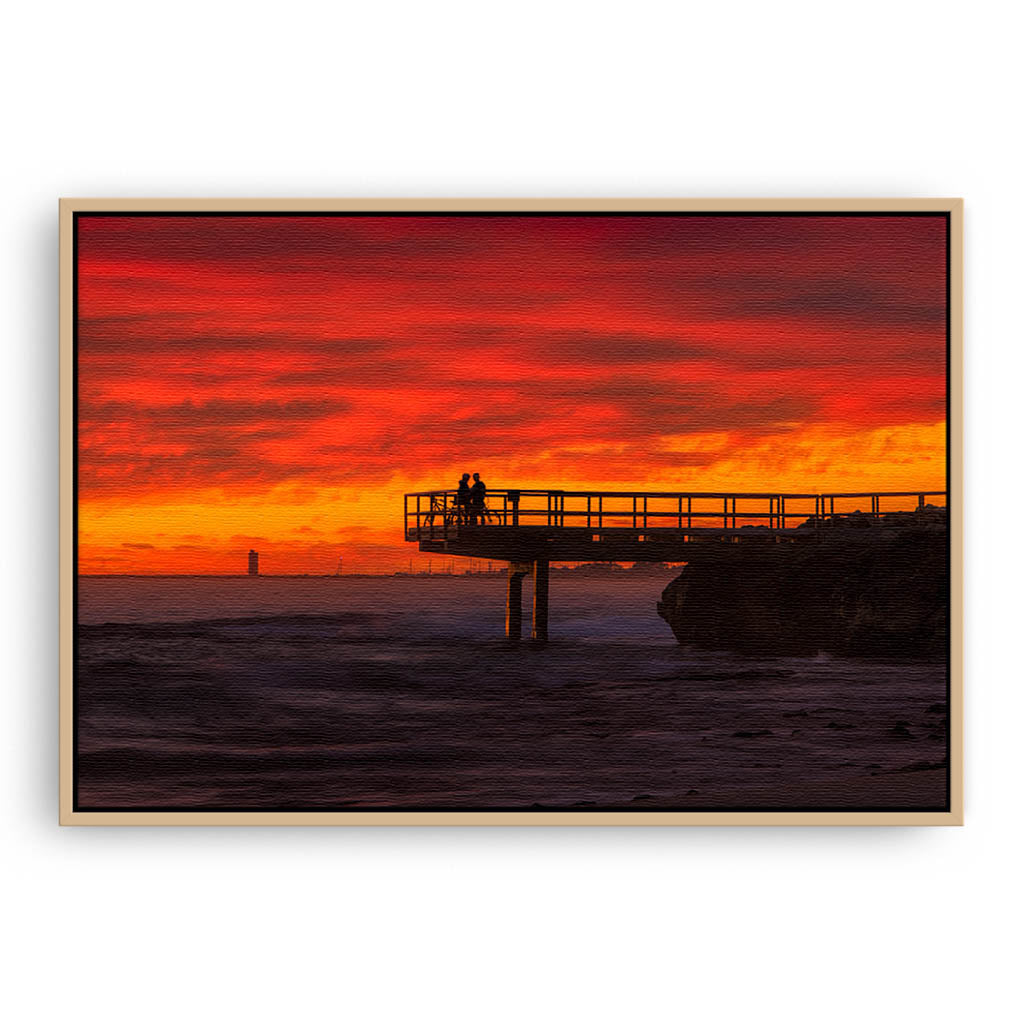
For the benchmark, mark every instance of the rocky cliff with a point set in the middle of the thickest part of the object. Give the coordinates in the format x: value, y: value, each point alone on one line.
x: 852, y: 586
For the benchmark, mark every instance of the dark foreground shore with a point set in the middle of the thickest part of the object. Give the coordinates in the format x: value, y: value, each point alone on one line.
x: 383, y: 695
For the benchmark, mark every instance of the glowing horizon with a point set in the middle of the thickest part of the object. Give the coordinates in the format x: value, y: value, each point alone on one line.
x: 280, y: 382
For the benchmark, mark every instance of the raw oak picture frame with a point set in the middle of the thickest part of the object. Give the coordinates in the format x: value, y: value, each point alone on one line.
x: 70, y: 815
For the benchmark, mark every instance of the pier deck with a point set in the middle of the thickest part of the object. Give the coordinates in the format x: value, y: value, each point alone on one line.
x: 532, y: 528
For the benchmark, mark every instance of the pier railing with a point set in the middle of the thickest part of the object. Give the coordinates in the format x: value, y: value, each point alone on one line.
x: 437, y: 515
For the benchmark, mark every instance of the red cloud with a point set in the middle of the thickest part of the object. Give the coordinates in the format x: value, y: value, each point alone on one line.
x: 246, y: 352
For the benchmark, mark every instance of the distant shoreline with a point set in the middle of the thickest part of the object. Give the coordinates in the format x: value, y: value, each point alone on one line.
x: 583, y: 570
x: 268, y: 575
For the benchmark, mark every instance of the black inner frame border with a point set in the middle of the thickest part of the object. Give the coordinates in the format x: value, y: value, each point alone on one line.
x: 511, y: 214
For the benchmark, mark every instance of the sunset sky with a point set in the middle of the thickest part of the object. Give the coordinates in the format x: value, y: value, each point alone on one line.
x: 280, y: 382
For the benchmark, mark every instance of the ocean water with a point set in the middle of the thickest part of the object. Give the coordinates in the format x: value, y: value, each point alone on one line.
x: 362, y: 693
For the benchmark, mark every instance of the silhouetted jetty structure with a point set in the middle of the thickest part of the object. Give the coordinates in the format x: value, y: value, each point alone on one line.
x: 530, y: 529
x: 254, y: 563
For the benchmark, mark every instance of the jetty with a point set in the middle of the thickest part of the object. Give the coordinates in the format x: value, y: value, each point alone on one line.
x: 530, y: 529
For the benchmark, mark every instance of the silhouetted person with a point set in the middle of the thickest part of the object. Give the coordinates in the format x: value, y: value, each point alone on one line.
x: 477, y: 494
x: 462, y: 499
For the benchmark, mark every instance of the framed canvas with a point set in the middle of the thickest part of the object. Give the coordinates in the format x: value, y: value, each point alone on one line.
x: 576, y: 512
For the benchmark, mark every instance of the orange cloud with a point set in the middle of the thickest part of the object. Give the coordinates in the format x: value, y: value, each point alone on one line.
x: 289, y: 377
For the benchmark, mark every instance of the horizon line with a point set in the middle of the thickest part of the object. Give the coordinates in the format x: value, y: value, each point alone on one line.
x: 347, y: 575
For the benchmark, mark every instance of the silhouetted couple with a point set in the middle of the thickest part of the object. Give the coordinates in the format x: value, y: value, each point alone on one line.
x: 470, y: 500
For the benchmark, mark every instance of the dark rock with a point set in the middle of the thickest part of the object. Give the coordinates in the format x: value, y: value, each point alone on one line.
x: 757, y: 732
x: 854, y: 586
x: 838, y: 725
x: 900, y: 730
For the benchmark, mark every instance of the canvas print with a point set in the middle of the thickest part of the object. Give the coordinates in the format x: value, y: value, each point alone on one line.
x: 511, y: 511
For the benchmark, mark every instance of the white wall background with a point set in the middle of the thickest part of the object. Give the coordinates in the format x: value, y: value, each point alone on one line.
x: 563, y: 99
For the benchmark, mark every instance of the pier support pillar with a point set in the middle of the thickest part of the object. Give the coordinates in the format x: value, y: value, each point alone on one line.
x: 540, y: 599
x: 514, y: 600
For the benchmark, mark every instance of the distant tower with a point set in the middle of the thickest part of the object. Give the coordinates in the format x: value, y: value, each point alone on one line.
x: 254, y: 563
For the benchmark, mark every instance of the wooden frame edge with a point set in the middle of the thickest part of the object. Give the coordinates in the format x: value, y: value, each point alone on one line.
x: 512, y: 205
x: 68, y: 207
x: 67, y: 567
x: 514, y: 818
x: 956, y: 485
